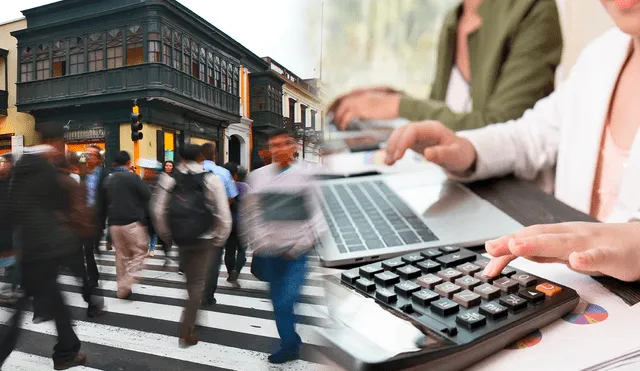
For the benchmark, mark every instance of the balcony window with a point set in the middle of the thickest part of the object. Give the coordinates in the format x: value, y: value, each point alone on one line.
x: 26, y: 64
x: 203, y: 64
x: 258, y: 98
x: 135, y: 53
x: 166, y: 45
x: 43, y: 67
x: 59, y: 58
x: 76, y: 55
x: 236, y: 92
x: 230, y: 78
x: 224, y: 75
x: 217, y: 70
x: 211, y: 79
x: 177, y: 50
x: 115, y: 48
x: 154, y: 43
x: 194, y: 61
x: 95, y: 54
x: 186, y: 48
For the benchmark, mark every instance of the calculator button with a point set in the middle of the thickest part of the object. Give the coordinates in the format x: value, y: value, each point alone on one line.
x: 429, y: 266
x: 468, y: 268
x: 468, y: 282
x: 456, y: 258
x: 471, y: 320
x: 393, y: 264
x: 487, y: 291
x: 483, y: 278
x: 429, y: 281
x: 449, y: 249
x: 447, y: 289
x: 467, y: 299
x: 444, y: 307
x: 365, y: 285
x: 412, y: 258
x: 387, y: 296
x: 431, y: 253
x: 369, y: 271
x: 424, y: 297
x: 387, y: 278
x: 481, y: 262
x: 350, y: 277
x: 549, y: 289
x: 449, y: 274
x: 513, y: 302
x: 506, y: 285
x: 493, y: 310
x: 508, y: 272
x: 409, y: 272
x: 532, y: 295
x: 524, y: 279
x: 406, y: 288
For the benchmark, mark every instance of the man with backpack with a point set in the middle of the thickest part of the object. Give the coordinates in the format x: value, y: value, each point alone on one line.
x: 191, y: 208
x: 127, y: 199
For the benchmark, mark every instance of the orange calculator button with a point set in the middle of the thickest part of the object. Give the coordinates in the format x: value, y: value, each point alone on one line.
x: 549, y: 289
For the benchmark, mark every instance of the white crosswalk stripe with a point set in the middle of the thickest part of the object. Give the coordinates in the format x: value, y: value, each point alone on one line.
x: 237, y: 333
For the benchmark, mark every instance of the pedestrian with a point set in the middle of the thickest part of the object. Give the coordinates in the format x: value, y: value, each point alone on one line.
x: 7, y: 250
x: 49, y: 210
x: 127, y: 199
x: 191, y: 208
x: 281, y: 218
x: 168, y: 167
x: 150, y: 171
x: 234, y: 251
x: 94, y: 176
x: 209, y: 165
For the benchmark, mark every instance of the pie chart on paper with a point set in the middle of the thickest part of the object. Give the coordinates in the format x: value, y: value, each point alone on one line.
x: 586, y: 314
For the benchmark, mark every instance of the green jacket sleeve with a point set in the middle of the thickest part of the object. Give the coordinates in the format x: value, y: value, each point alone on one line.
x: 526, y: 76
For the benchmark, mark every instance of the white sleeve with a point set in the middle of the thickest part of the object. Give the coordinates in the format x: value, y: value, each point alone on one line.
x: 524, y: 146
x: 217, y: 200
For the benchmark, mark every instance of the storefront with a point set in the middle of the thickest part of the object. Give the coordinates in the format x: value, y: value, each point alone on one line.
x: 78, y: 141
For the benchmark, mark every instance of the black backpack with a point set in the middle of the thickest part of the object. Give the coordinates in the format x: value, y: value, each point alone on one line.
x: 189, y: 215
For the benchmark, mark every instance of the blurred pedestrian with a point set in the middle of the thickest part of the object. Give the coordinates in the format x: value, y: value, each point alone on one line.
x: 234, y: 251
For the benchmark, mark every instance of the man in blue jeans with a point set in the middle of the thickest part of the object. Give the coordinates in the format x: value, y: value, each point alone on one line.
x: 281, y: 218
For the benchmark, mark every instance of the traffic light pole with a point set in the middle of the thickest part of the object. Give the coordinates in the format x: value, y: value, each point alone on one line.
x: 136, y: 140
x: 136, y: 156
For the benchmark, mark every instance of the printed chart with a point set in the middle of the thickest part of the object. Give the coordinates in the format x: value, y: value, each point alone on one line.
x: 586, y: 314
x: 527, y: 342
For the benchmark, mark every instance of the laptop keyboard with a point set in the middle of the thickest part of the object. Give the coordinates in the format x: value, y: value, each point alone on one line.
x: 369, y: 215
x: 447, y: 291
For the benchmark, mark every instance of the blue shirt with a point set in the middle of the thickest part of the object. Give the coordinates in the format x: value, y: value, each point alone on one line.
x: 92, y: 185
x: 224, y: 175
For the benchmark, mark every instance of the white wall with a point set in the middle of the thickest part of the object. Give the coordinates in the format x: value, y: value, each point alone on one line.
x: 582, y: 21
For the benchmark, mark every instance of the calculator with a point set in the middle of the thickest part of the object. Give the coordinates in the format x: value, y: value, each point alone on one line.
x: 464, y: 315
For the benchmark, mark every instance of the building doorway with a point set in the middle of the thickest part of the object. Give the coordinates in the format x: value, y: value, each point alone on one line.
x: 235, y: 149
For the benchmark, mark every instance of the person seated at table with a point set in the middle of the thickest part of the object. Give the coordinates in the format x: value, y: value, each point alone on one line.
x: 587, y: 130
x: 496, y: 59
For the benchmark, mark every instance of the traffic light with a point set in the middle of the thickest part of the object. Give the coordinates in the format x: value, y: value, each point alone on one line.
x: 136, y: 125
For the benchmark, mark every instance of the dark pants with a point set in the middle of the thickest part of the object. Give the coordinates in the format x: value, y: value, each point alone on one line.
x: 286, y: 278
x: 235, y: 255
x: 214, y: 272
x: 40, y: 281
x: 90, y: 245
x: 195, y: 258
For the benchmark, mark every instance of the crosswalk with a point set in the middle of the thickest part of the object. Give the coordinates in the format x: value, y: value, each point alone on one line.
x: 237, y: 333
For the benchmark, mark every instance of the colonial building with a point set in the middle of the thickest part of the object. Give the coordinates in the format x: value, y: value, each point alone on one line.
x: 82, y: 64
x: 302, y: 110
x: 15, y: 127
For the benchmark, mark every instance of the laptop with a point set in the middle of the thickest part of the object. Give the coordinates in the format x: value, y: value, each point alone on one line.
x: 376, y: 217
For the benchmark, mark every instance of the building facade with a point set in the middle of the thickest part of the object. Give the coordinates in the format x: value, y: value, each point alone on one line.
x: 81, y: 65
x: 13, y: 124
x: 302, y: 110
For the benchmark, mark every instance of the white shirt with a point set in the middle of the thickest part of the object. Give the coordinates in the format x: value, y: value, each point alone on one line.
x: 565, y: 130
x: 458, y: 97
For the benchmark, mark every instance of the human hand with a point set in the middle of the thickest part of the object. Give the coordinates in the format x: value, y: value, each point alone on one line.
x: 590, y: 248
x: 382, y: 103
x: 436, y: 142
